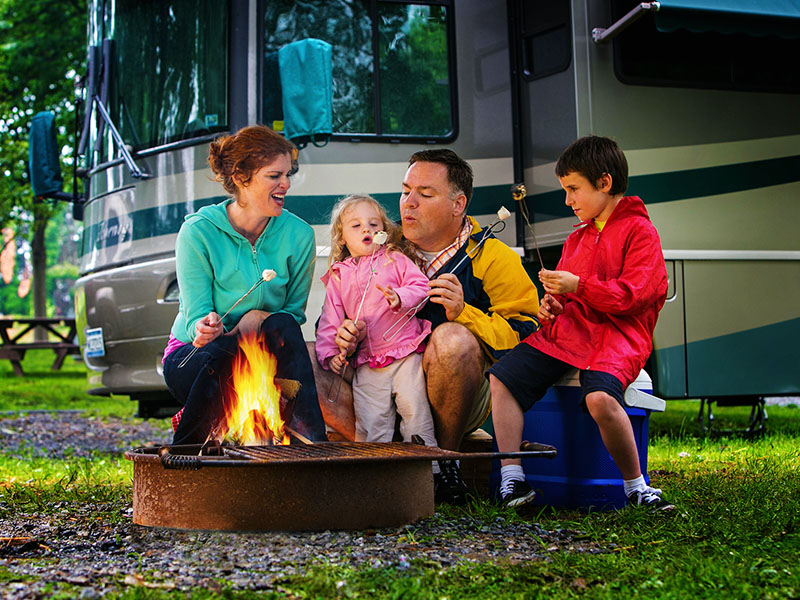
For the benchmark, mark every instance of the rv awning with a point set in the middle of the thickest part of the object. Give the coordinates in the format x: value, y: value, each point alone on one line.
x: 753, y: 17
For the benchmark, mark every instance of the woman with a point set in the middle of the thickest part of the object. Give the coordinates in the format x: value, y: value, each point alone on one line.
x: 221, y: 251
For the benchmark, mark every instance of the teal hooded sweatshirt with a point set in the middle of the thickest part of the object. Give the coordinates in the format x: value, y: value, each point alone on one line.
x: 216, y: 266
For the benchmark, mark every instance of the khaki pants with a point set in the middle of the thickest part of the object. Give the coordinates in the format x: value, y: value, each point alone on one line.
x: 379, y: 395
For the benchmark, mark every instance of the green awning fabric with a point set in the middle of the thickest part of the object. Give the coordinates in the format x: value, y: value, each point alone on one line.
x: 753, y: 17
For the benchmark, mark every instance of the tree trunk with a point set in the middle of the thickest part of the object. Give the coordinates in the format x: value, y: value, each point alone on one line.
x: 39, y: 276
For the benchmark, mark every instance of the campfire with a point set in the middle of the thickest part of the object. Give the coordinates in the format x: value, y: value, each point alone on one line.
x: 254, y: 400
x: 247, y: 476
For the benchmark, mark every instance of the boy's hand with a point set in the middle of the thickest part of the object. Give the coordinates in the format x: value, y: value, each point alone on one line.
x: 558, y: 282
x: 549, y: 308
x: 391, y: 296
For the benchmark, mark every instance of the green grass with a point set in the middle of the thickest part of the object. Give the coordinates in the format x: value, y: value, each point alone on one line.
x: 736, y: 531
x: 65, y: 389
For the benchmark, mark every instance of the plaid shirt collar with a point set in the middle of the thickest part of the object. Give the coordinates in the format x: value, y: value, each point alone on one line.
x: 449, y: 252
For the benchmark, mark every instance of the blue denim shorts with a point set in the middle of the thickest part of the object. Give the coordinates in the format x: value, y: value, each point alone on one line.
x: 528, y: 373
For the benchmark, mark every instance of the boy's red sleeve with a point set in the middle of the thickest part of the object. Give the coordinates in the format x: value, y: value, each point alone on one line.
x: 641, y: 283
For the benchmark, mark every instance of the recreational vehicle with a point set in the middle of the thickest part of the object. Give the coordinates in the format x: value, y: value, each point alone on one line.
x: 703, y: 97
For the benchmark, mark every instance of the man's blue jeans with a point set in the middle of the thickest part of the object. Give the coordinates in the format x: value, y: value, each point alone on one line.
x: 199, y: 383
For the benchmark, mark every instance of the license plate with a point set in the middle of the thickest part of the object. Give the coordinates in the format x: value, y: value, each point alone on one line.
x: 94, y: 343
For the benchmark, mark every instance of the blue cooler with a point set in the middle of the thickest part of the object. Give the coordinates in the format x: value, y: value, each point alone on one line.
x: 583, y: 474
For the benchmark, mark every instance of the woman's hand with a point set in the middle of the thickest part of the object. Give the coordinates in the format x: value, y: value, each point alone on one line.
x: 558, y: 282
x: 349, y: 334
x: 391, y: 296
x: 207, y: 329
x: 249, y: 323
x: 549, y: 308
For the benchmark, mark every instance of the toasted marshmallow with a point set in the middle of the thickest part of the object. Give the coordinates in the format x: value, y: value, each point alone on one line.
x: 380, y: 238
x: 268, y: 274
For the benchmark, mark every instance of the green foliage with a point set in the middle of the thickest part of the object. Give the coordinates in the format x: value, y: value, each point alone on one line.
x: 10, y: 302
x: 413, y: 72
x: 43, y: 50
x: 37, y: 72
x: 60, y: 276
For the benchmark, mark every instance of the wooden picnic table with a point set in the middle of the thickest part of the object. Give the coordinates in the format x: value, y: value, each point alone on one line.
x: 12, y: 330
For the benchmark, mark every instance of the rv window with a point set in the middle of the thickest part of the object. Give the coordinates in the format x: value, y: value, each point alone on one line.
x: 392, y: 71
x: 546, y: 38
x: 643, y: 55
x: 170, y: 70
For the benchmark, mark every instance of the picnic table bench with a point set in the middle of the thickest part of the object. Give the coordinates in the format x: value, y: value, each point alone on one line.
x: 12, y: 330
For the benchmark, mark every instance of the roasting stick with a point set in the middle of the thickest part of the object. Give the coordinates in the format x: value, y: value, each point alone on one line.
x: 379, y: 238
x: 299, y: 436
x: 266, y: 275
x: 398, y: 325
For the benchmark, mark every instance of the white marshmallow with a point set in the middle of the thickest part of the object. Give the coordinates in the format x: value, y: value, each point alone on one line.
x: 380, y: 238
x: 268, y: 274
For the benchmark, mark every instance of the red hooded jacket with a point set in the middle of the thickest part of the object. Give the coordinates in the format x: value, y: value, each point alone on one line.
x: 607, y: 324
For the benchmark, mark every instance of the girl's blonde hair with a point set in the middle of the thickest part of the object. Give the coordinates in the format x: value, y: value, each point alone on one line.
x: 394, y: 242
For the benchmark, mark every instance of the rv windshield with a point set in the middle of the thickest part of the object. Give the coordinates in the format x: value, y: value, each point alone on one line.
x: 392, y: 76
x: 170, y: 73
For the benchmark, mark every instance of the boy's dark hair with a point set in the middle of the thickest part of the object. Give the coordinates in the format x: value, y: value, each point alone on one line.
x: 593, y: 156
x: 459, y: 173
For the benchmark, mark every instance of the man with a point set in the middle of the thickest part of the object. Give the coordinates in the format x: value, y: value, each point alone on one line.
x: 478, y: 313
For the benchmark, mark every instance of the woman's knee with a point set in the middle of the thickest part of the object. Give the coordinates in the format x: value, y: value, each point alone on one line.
x: 280, y: 321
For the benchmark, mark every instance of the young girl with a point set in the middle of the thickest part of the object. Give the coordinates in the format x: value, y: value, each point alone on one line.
x: 388, y: 376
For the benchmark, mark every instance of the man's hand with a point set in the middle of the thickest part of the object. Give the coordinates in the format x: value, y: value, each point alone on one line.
x: 549, y: 308
x: 391, y: 296
x: 558, y: 282
x: 249, y: 323
x: 447, y: 291
x: 349, y: 334
x: 207, y: 329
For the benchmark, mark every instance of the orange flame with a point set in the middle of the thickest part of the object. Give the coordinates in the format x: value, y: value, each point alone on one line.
x: 252, y: 411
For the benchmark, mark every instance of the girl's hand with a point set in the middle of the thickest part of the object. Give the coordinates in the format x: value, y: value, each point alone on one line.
x: 391, y: 296
x: 558, y: 282
x: 249, y: 323
x: 349, y: 334
x: 337, y: 363
x: 549, y: 308
x: 207, y: 329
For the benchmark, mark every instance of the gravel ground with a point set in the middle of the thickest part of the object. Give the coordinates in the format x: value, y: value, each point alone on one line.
x: 73, y: 546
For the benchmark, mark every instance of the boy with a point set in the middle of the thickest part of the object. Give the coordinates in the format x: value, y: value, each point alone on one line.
x: 598, y: 315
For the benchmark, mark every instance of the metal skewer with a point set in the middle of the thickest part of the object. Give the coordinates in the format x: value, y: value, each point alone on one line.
x: 398, y: 325
x: 379, y: 240
x: 263, y: 279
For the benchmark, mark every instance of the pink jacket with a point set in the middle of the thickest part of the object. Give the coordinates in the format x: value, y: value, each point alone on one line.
x: 344, y: 287
x: 607, y: 324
